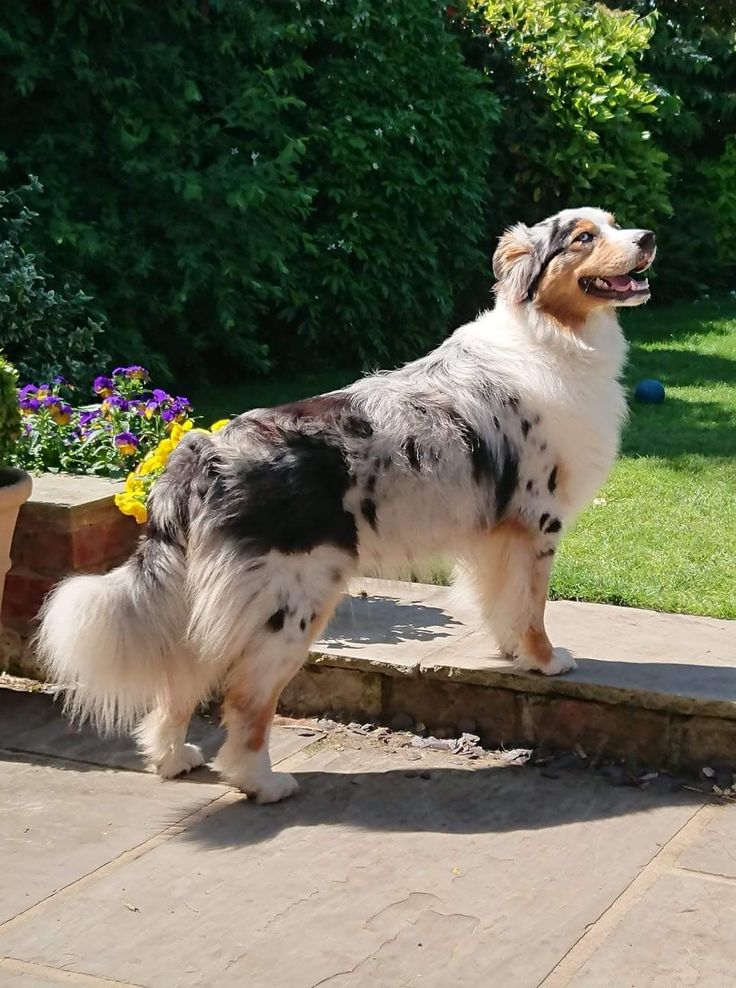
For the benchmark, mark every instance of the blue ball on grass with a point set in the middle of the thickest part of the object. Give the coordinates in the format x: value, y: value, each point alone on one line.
x: 650, y: 392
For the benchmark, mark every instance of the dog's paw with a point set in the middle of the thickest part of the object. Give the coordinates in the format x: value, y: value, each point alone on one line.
x: 559, y: 662
x: 180, y: 761
x: 275, y: 787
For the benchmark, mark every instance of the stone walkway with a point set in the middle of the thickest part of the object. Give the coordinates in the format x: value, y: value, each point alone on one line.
x: 393, y: 866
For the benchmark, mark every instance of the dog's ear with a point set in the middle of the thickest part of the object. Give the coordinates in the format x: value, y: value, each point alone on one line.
x: 516, y: 263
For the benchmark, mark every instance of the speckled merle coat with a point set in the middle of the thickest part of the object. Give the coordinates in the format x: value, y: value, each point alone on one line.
x: 485, y: 448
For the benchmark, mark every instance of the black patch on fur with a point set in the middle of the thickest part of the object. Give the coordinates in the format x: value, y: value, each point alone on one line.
x: 412, y: 453
x: 480, y: 457
x: 543, y: 519
x: 500, y: 472
x: 368, y: 510
x: 525, y: 427
x: 508, y: 479
x: 357, y: 427
x: 496, y: 422
x: 276, y: 621
x: 370, y: 484
x: 302, y: 625
x: 529, y: 485
x: 292, y: 501
x: 542, y: 447
x: 554, y: 526
x: 545, y: 553
x: 552, y: 481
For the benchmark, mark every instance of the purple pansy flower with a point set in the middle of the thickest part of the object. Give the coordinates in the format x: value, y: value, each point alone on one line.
x: 126, y: 442
x: 103, y: 386
x: 59, y: 411
x: 29, y: 405
x: 115, y: 401
x: 135, y: 372
x: 86, y: 417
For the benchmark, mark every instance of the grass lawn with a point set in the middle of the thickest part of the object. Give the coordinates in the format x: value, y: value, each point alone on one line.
x: 664, y: 533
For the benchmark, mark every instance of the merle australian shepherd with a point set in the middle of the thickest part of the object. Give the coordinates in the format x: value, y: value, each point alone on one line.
x: 486, y: 449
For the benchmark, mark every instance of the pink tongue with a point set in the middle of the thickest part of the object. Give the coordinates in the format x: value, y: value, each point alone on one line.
x: 621, y: 282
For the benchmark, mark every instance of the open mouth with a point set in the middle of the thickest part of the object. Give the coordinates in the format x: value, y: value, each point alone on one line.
x: 617, y: 286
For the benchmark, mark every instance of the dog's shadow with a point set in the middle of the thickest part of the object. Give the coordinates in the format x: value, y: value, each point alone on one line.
x: 362, y: 620
x: 436, y: 800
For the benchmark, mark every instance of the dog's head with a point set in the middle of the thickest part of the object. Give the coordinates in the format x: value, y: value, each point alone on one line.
x: 572, y: 263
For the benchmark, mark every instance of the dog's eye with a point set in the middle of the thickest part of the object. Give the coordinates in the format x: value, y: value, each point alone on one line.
x: 584, y: 238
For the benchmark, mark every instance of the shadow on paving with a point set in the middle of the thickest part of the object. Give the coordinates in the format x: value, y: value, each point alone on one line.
x: 452, y: 800
x: 387, y: 621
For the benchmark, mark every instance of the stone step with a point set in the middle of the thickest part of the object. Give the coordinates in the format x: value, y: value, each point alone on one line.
x: 656, y: 688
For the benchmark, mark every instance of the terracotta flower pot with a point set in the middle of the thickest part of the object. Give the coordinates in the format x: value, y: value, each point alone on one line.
x: 15, y: 489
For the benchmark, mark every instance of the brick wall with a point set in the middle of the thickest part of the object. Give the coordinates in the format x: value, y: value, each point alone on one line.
x: 70, y: 525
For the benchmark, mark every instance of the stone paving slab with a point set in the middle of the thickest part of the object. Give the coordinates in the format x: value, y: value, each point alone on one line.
x: 681, y: 933
x: 15, y: 974
x: 660, y: 661
x: 372, y: 875
x: 59, y: 822
x: 714, y: 851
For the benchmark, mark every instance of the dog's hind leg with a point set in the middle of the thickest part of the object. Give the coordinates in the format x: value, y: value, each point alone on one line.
x: 161, y: 735
x: 252, y: 692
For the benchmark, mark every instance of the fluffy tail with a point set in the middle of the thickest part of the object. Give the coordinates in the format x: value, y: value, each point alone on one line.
x: 114, y: 644
x: 111, y: 643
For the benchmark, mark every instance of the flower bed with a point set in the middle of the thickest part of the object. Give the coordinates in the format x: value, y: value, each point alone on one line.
x: 129, y: 434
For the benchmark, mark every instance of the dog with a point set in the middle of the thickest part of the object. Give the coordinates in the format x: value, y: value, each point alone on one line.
x: 486, y: 448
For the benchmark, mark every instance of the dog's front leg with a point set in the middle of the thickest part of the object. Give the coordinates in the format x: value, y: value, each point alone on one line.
x: 511, y: 571
x: 533, y: 649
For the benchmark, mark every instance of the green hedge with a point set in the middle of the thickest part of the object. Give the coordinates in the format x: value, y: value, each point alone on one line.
x: 234, y: 181
x: 245, y: 186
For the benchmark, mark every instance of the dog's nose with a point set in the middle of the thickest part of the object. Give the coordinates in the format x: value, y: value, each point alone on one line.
x: 647, y: 241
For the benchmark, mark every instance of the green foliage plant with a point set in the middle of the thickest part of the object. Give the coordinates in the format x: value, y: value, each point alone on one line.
x: 45, y: 329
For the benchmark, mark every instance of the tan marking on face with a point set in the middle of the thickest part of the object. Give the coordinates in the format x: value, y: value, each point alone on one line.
x: 559, y: 293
